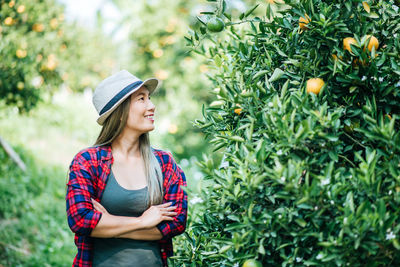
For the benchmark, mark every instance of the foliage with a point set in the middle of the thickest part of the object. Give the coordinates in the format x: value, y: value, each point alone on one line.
x: 306, y: 179
x: 34, y: 229
x: 32, y: 221
x: 40, y: 52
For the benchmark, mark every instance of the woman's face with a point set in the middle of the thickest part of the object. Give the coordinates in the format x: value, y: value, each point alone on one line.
x: 141, y: 111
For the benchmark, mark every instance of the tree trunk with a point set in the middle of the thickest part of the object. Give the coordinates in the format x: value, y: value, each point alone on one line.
x: 13, y: 155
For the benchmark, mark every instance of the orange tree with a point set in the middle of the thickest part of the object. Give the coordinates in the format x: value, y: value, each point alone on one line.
x: 40, y: 51
x: 307, y: 123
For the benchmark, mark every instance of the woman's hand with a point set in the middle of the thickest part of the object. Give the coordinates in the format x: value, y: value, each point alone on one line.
x: 158, y: 213
x: 99, y: 207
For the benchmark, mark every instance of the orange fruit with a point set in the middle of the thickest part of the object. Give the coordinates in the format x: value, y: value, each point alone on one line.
x: 20, y: 85
x: 303, y: 21
x: 238, y: 111
x: 314, y: 85
x: 20, y: 53
x: 38, y: 27
x: 252, y: 263
x: 347, y: 42
x: 51, y: 62
x: 162, y: 74
x: 63, y: 47
x: 372, y: 42
x: 158, y: 53
x: 8, y: 21
x: 173, y: 128
x: 53, y: 23
x: 21, y: 9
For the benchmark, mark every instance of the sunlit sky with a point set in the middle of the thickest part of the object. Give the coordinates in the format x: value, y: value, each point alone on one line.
x: 84, y: 12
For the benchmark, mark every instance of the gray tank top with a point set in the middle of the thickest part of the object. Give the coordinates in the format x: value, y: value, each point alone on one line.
x: 111, y: 252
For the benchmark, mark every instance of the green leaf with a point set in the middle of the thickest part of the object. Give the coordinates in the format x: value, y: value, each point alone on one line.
x: 284, y: 88
x: 260, y: 73
x: 301, y: 222
x: 382, y: 209
x: 305, y: 206
x: 228, y: 16
x: 350, y: 201
x: 280, y: 52
x: 352, y: 89
x: 361, y: 208
x: 224, y: 249
x: 278, y: 73
x: 261, y: 249
x: 396, y: 243
x: 325, y: 244
x: 217, y: 61
x: 235, y: 138
x: 251, y: 11
x: 347, y: 4
x: 373, y: 15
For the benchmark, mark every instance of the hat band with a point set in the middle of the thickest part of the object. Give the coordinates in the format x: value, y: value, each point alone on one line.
x: 119, y: 96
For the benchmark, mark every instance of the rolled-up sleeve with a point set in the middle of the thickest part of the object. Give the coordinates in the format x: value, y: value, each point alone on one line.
x: 175, y: 193
x: 82, y: 217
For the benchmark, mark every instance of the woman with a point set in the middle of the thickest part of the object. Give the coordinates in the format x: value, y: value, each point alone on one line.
x: 124, y: 198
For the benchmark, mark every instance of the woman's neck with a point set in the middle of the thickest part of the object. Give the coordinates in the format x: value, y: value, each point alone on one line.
x: 126, y: 146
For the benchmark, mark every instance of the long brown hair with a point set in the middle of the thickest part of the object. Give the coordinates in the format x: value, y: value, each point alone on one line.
x: 112, y: 128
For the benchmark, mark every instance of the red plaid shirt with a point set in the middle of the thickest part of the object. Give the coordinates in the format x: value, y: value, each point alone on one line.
x: 88, y: 175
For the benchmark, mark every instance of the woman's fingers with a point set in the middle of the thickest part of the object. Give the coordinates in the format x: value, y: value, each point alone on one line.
x: 166, y: 218
x: 94, y: 202
x: 170, y: 213
x: 164, y: 205
x: 170, y: 208
x: 98, y: 206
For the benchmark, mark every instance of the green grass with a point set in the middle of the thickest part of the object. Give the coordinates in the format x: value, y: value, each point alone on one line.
x: 33, y: 228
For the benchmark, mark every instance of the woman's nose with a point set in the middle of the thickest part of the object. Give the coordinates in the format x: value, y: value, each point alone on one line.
x: 151, y: 106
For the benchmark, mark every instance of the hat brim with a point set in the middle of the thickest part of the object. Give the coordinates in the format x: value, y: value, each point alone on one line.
x: 152, y: 85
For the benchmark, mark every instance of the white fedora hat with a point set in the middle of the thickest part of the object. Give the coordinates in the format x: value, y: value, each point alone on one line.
x: 113, y: 90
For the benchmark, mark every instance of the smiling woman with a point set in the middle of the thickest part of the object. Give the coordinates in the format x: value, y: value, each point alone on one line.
x: 124, y: 198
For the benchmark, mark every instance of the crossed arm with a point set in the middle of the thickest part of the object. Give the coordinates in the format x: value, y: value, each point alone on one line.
x: 142, y: 228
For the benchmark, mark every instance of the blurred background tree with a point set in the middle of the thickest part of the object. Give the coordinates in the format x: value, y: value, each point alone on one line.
x: 154, y: 46
x: 40, y: 52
